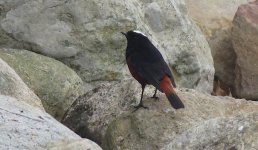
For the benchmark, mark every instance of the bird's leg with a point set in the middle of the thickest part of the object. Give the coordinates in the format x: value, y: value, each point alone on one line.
x: 154, y: 95
x: 140, y: 104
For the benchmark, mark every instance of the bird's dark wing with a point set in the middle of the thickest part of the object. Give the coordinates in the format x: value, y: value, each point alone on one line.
x: 151, y: 70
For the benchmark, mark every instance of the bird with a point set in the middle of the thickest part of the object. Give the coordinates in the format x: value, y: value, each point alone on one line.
x: 148, y: 67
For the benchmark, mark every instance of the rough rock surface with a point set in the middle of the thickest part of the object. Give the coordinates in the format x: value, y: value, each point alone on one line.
x: 232, y: 133
x: 12, y: 85
x: 224, y: 56
x: 105, y: 115
x: 182, y: 43
x: 215, y: 20
x: 213, y: 16
x: 245, y: 42
x: 81, y: 144
x: 91, y: 113
x: 56, y: 85
x: 85, y: 34
x: 26, y: 127
x: 207, y: 122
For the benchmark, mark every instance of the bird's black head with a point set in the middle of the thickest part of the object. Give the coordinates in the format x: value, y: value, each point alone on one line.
x: 138, y: 43
x: 135, y: 37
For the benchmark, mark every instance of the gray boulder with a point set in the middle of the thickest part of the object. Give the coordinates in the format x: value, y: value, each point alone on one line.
x: 26, y: 127
x: 92, y: 112
x: 86, y: 36
x: 182, y: 43
x: 12, y: 85
x: 56, y: 84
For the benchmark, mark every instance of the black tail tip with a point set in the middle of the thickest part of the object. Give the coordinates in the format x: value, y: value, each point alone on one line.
x: 175, y: 101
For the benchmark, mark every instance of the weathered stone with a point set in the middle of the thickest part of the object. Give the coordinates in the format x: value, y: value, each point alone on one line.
x: 86, y: 36
x: 207, y: 122
x: 213, y: 16
x: 153, y: 14
x: 12, y: 85
x: 106, y: 116
x: 56, y: 85
x: 232, y: 133
x: 245, y: 42
x: 180, y: 42
x: 215, y: 20
x: 224, y: 56
x: 82, y: 144
x: 26, y: 127
x: 91, y: 114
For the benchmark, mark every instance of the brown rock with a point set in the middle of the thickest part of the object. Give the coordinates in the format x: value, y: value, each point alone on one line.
x: 245, y: 43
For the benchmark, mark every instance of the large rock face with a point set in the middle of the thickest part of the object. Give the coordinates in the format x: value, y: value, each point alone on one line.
x: 12, y: 85
x: 26, y: 127
x: 56, y: 85
x: 86, y: 36
x: 245, y: 42
x: 207, y: 122
x: 215, y: 20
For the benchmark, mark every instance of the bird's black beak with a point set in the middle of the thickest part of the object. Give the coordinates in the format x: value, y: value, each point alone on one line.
x: 124, y: 33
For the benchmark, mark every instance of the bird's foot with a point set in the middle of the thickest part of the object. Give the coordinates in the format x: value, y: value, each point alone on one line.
x: 155, y: 97
x: 140, y: 106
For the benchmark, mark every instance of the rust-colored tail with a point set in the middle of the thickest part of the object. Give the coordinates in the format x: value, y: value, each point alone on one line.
x: 167, y: 88
x: 175, y: 101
